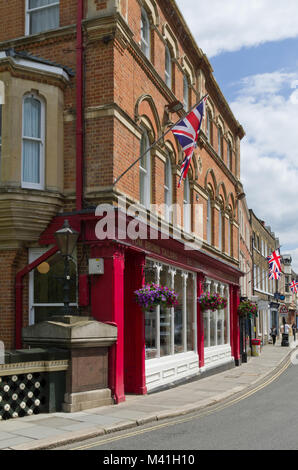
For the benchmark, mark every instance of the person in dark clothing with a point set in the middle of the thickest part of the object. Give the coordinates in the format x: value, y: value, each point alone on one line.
x: 273, y: 334
x: 294, y: 331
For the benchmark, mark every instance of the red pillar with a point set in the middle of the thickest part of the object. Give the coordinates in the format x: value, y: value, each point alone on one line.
x: 134, y: 326
x: 107, y: 301
x: 200, y: 320
x: 236, y: 325
x: 234, y: 322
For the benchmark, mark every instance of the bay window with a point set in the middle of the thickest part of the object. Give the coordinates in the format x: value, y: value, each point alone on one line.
x: 41, y: 15
x: 33, y: 143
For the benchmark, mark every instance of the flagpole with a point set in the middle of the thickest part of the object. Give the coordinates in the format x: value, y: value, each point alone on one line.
x: 158, y: 140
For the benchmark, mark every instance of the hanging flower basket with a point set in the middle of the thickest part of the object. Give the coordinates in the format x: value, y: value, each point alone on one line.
x: 152, y: 295
x: 212, y: 302
x: 247, y: 308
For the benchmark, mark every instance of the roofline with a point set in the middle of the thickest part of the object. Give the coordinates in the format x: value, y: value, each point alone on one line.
x: 204, y: 59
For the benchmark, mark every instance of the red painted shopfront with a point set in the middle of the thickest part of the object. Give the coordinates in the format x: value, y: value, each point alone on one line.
x: 153, y: 351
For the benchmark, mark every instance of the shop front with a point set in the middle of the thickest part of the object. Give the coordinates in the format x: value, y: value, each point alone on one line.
x: 159, y: 346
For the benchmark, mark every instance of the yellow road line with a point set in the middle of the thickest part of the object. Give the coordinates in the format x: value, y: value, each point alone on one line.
x: 184, y: 420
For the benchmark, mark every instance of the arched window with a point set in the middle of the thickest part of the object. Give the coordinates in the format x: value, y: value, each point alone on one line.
x: 145, y: 33
x: 209, y: 221
x: 145, y: 172
x: 185, y: 93
x: 186, y: 206
x: 168, y: 186
x: 168, y: 67
x: 33, y: 143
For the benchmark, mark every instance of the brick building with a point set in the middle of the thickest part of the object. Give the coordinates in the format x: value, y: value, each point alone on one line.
x: 85, y: 86
x: 264, y: 243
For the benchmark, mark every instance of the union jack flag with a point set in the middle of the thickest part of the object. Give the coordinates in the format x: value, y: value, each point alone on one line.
x: 274, y: 261
x: 294, y: 287
x: 274, y: 274
x: 187, y: 133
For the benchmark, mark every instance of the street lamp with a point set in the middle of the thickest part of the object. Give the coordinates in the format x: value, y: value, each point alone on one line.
x: 66, y: 239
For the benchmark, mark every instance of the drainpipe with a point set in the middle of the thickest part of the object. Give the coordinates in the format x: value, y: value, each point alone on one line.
x: 19, y: 292
x: 79, y: 108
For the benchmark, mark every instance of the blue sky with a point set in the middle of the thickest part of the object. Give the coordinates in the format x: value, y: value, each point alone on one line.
x: 253, y: 49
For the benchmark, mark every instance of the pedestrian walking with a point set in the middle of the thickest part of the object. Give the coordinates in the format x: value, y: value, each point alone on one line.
x: 294, y: 331
x: 273, y: 334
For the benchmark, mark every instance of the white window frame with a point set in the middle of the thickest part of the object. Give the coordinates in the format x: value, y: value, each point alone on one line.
x: 168, y: 189
x: 31, y: 10
x: 145, y: 34
x: 168, y: 71
x: 34, y: 254
x: 41, y: 140
x: 145, y: 174
x: 185, y: 92
x: 186, y: 206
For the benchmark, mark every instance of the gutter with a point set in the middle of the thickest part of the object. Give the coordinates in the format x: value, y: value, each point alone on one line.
x: 79, y: 108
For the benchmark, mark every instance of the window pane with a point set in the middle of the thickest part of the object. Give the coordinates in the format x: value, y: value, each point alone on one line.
x: 150, y: 317
x: 185, y: 93
x: 145, y: 34
x: 179, y: 313
x: 190, y: 292
x: 32, y: 118
x: 31, y: 162
x: 48, y: 288
x: 44, y: 20
x: 165, y: 317
x: 168, y: 68
x: 41, y: 3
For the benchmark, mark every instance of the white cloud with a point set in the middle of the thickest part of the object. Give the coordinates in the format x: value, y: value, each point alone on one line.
x: 269, y: 114
x: 229, y: 25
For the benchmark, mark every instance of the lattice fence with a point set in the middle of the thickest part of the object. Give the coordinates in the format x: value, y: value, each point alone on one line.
x: 22, y: 395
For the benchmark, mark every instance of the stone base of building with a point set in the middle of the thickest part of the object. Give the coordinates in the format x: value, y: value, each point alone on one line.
x: 81, y: 401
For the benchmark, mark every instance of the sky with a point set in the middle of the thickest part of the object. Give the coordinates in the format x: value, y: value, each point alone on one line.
x: 253, y: 49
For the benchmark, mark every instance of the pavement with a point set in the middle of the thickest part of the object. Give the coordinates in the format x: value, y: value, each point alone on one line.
x: 46, y: 431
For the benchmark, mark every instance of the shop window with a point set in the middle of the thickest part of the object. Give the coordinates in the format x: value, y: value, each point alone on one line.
x: 41, y: 15
x: 168, y: 67
x: 46, y: 287
x: 216, y: 324
x: 170, y: 331
x: 145, y: 172
x: 145, y: 33
x: 168, y: 188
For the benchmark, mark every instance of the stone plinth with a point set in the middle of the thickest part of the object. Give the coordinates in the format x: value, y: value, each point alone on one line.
x: 87, y: 342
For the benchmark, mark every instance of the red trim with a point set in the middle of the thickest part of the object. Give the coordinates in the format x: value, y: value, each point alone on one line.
x: 79, y: 106
x: 200, y: 321
x: 19, y: 292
